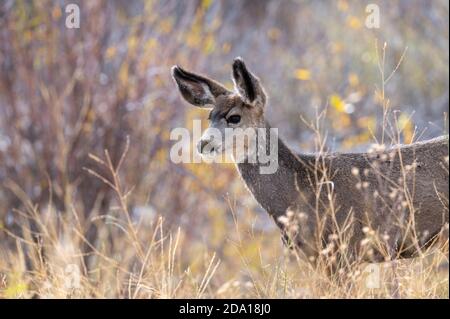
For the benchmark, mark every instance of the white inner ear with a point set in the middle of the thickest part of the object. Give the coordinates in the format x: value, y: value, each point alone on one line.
x: 258, y: 101
x: 207, y: 96
x: 238, y: 90
x: 241, y: 93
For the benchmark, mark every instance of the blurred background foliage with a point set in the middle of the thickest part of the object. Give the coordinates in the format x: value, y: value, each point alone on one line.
x: 66, y: 93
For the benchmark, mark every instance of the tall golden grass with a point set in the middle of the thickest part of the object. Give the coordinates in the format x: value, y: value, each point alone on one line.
x: 92, y: 207
x: 139, y: 259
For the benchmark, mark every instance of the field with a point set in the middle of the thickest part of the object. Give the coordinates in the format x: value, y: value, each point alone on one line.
x: 91, y: 206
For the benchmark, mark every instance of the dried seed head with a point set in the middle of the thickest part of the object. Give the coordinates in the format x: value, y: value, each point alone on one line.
x: 249, y: 285
x: 333, y: 237
x: 393, y: 193
x: 411, y: 166
x: 283, y: 220
x: 377, y: 148
x: 364, y: 242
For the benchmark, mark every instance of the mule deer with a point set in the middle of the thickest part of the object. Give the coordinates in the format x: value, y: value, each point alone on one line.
x: 399, y: 194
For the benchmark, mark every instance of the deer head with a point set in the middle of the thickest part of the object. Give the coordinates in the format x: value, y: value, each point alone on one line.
x: 240, y: 111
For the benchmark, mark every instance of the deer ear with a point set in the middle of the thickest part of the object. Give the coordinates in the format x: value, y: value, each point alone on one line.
x: 247, y: 84
x: 196, y: 89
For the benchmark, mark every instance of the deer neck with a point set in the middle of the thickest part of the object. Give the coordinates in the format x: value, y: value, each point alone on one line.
x: 276, y: 192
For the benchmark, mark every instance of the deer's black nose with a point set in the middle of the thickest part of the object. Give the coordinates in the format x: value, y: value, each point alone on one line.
x: 204, y: 146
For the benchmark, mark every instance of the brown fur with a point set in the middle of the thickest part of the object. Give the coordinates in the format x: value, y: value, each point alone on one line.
x: 401, y: 193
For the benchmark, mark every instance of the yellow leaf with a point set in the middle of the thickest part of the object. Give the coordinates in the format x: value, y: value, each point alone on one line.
x: 161, y: 156
x: 342, y: 5
x: 16, y: 290
x: 342, y: 121
x: 123, y: 74
x: 165, y: 26
x: 193, y: 38
x: 302, y: 74
x: 336, y: 47
x: 209, y: 44
x: 367, y: 122
x: 353, y: 141
x: 206, y: 4
x: 273, y: 33
x: 337, y: 103
x: 132, y: 43
x: 56, y: 13
x: 110, y: 53
x: 345, y: 120
x: 151, y: 44
x: 406, y: 126
x: 226, y: 47
x: 353, y: 79
x: 354, y: 23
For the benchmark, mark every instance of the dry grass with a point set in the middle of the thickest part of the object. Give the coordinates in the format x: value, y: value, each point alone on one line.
x: 77, y: 221
x: 138, y: 259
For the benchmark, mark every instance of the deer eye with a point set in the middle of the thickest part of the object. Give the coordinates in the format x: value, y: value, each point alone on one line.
x: 234, y: 119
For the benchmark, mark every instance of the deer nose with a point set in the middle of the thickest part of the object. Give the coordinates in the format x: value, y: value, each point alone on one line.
x: 202, y: 145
